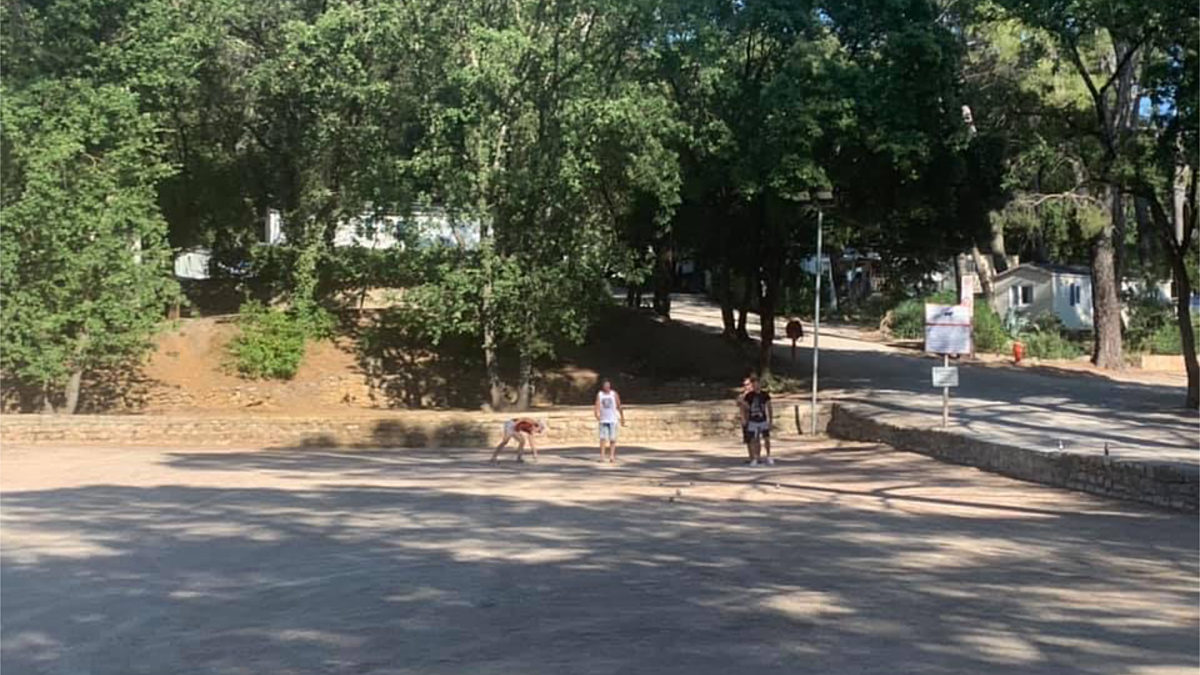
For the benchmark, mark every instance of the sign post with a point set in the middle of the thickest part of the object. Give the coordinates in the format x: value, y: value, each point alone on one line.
x: 945, y: 394
x: 947, y: 331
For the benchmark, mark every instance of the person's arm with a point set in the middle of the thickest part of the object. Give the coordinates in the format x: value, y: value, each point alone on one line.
x: 596, y: 407
x: 770, y: 414
x: 620, y: 410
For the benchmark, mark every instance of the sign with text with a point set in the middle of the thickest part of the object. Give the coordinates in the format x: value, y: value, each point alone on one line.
x: 947, y: 329
x: 945, y: 376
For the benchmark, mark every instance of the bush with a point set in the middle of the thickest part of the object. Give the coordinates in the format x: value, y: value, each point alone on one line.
x: 908, y: 317
x: 988, y: 333
x: 1168, y: 340
x: 1151, y: 322
x: 1050, y: 345
x: 271, y: 342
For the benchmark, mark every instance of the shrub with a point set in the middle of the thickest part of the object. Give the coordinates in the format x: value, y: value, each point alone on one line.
x: 908, y: 317
x: 988, y: 333
x: 1168, y: 340
x: 1050, y: 345
x: 1151, y: 321
x: 271, y: 342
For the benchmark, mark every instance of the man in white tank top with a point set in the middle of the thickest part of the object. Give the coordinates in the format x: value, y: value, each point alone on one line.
x: 608, y: 412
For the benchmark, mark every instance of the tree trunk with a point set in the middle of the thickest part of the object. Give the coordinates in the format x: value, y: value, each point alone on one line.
x: 766, y: 319
x: 748, y: 287
x: 1177, y: 251
x: 1187, y: 336
x: 725, y: 297
x: 837, y: 285
x: 1145, y: 233
x: 491, y: 358
x: 1000, y: 256
x: 769, y: 299
x: 1118, y: 225
x: 664, y: 274
x: 47, y: 400
x: 1106, y: 304
x: 983, y: 270
x: 525, y: 391
x: 72, y: 392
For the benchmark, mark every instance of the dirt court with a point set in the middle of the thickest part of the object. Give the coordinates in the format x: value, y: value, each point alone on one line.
x: 843, y: 558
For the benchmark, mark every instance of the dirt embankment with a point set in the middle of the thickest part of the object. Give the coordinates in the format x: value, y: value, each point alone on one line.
x: 649, y: 360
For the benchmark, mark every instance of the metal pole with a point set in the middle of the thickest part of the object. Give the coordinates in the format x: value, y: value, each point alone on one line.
x: 817, y: 323
x: 945, y: 395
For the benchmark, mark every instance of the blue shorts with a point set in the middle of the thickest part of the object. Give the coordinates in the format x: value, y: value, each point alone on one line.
x: 608, y: 431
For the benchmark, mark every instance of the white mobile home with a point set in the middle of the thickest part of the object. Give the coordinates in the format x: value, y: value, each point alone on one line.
x: 1036, y: 289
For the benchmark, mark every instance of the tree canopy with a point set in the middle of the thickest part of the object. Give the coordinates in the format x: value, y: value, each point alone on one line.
x: 577, y: 143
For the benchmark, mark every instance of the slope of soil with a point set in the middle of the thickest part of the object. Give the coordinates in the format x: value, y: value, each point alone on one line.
x: 648, y: 359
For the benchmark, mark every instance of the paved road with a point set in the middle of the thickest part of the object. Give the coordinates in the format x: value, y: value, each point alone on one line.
x: 1010, y: 405
x: 841, y: 559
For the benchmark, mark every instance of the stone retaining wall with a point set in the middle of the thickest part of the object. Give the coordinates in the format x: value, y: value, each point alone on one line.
x: 1166, y: 484
x: 399, y: 429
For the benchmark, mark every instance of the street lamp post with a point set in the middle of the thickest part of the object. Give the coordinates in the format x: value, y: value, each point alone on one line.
x: 824, y: 197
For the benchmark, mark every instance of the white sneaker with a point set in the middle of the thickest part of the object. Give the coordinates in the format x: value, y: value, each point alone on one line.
x: 771, y: 461
x: 754, y: 462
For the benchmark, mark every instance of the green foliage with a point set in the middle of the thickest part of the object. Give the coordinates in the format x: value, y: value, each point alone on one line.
x: 988, y: 331
x: 1153, y: 326
x: 908, y: 317
x: 1149, y: 318
x: 270, y: 344
x: 1051, y: 345
x: 1045, y: 337
x: 84, y: 262
x: 1168, y: 340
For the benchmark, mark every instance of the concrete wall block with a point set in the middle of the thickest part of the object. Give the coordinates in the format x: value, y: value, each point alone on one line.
x: 1172, y: 485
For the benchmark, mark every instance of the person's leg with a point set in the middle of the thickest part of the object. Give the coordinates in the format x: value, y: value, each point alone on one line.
x: 521, y: 436
x: 503, y: 443
x: 748, y: 440
x: 612, y: 443
x: 766, y: 443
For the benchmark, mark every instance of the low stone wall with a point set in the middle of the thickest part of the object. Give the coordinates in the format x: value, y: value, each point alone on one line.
x: 1163, y: 363
x: 398, y: 429
x: 1167, y: 484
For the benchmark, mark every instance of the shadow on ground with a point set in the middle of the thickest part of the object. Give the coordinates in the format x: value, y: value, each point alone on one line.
x: 435, y: 561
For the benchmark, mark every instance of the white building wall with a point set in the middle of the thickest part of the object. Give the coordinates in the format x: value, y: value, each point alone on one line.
x: 1078, y: 317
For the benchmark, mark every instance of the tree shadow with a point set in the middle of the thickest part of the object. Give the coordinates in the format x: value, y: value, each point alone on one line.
x: 120, y: 389
x: 405, y: 370
x: 424, y: 561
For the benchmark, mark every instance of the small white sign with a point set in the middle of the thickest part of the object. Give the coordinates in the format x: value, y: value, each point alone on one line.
x: 947, y: 329
x: 945, y: 376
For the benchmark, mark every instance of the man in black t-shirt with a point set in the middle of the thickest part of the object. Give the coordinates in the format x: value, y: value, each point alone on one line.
x: 757, y: 416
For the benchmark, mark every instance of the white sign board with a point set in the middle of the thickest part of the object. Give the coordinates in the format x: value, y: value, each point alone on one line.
x: 945, y: 376
x: 967, y: 295
x: 947, y: 329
